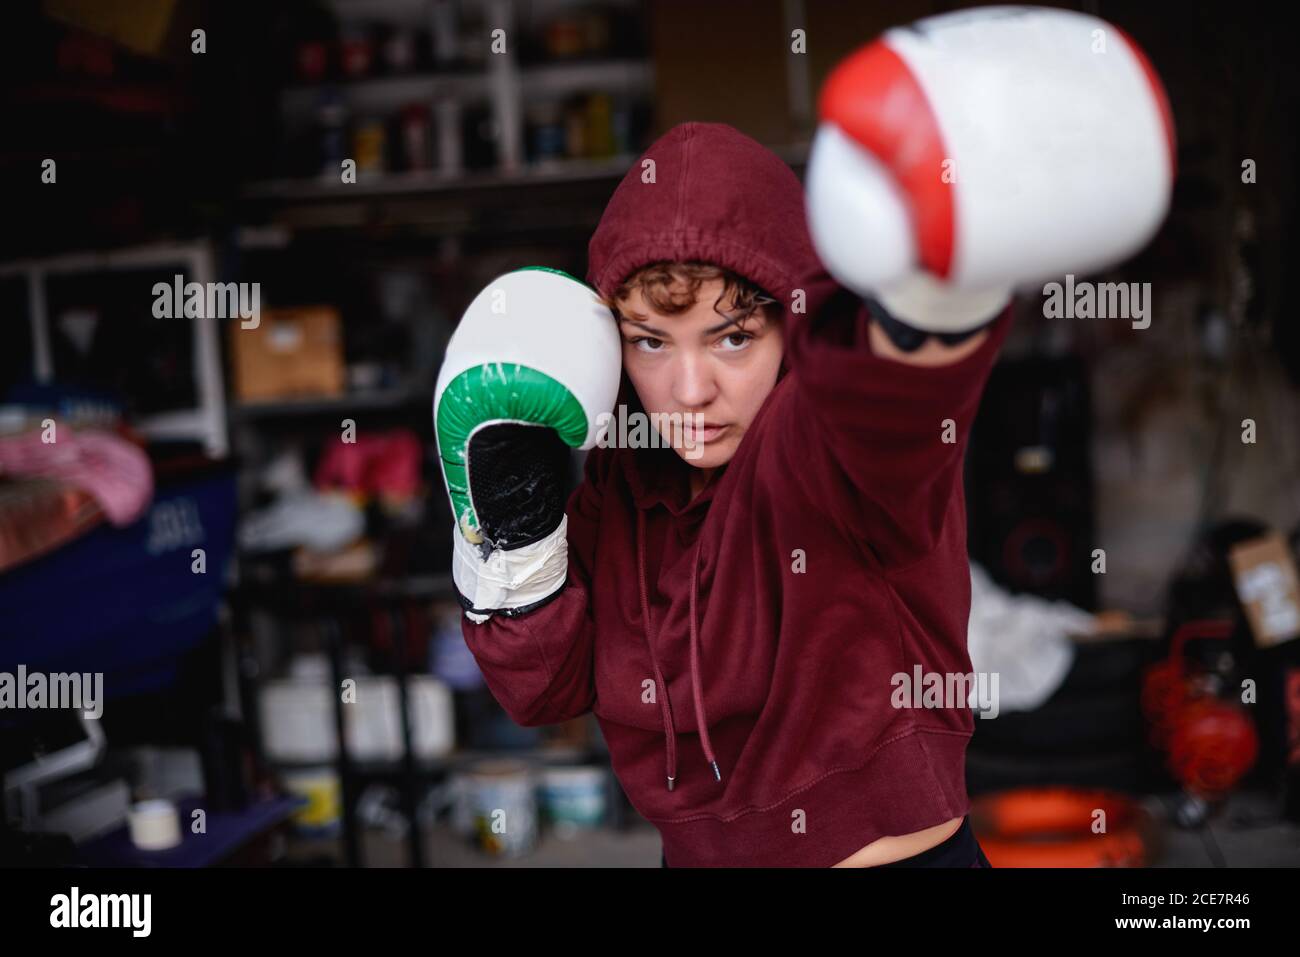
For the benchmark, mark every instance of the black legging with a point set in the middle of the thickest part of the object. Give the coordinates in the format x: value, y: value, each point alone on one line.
x: 959, y: 850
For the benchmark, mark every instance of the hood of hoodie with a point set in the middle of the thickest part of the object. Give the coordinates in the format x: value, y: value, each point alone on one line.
x: 709, y: 193
x: 703, y: 192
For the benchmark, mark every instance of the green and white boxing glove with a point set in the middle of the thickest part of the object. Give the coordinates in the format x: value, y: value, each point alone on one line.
x: 533, y: 364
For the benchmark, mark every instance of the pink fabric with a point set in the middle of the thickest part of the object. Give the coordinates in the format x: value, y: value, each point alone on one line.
x: 114, y: 471
x: 385, y: 465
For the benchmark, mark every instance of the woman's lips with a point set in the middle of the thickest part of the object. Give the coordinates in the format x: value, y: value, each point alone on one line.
x: 710, y: 433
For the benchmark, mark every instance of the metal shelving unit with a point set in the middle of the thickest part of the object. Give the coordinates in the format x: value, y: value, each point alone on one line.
x: 504, y: 84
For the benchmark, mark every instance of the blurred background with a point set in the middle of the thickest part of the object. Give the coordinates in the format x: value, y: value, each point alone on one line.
x: 239, y: 521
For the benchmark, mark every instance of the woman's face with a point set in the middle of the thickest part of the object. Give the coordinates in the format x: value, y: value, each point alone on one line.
x: 698, y: 363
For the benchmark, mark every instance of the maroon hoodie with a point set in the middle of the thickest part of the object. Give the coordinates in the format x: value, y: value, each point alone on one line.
x: 739, y: 650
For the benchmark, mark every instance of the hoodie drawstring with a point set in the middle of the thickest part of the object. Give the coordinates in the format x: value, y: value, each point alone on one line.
x: 697, y: 682
x: 661, y: 687
x: 701, y: 720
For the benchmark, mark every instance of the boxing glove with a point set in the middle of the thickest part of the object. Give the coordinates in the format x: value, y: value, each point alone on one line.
x: 533, y: 363
x: 975, y: 152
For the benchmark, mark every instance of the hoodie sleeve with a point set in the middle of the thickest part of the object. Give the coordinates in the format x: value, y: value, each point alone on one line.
x: 540, y: 666
x: 879, y: 442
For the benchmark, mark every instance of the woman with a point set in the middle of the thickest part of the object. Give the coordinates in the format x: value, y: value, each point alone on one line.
x: 738, y: 609
x: 769, y: 617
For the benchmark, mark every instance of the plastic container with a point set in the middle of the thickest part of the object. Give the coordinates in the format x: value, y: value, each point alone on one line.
x: 573, y: 798
x: 504, y: 807
x: 321, y: 816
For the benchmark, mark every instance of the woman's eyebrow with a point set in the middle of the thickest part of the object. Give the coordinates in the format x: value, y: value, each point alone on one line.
x: 663, y: 335
x: 732, y: 322
x: 650, y: 329
x: 718, y: 328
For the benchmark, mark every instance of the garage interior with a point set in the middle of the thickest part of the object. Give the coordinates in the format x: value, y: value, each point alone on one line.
x: 1133, y: 493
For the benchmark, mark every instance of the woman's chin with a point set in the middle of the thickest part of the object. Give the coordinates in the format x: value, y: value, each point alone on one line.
x: 708, y: 455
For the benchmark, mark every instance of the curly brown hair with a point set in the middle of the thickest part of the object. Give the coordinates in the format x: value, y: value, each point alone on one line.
x: 672, y: 288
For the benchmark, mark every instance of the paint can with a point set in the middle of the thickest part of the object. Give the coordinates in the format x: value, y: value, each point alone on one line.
x: 573, y: 798
x: 503, y: 806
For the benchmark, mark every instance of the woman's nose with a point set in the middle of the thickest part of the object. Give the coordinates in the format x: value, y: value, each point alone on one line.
x: 693, y: 384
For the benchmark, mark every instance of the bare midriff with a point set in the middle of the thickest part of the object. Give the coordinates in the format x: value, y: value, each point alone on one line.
x: 896, y: 847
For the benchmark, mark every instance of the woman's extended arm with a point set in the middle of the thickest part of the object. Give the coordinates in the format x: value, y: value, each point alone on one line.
x: 882, y: 429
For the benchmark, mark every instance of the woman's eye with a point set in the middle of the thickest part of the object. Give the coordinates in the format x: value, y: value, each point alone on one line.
x: 646, y: 343
x: 735, y: 341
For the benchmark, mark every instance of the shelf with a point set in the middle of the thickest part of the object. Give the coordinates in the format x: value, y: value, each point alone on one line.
x: 227, y: 832
x: 604, y: 76
x: 277, y: 589
x: 386, y: 94
x: 459, y: 760
x: 416, y: 12
x: 389, y: 94
x: 432, y: 183
x: 358, y: 401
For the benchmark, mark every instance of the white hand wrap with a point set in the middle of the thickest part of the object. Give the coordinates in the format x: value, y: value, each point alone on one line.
x: 925, y: 303
x: 509, y: 579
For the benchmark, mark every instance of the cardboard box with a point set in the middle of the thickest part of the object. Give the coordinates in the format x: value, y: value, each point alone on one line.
x: 1264, y: 573
x: 294, y: 353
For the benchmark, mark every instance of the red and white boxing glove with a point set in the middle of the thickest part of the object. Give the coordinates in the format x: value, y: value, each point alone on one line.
x: 967, y: 154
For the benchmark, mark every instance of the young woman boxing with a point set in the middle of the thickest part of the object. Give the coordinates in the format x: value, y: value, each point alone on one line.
x: 738, y: 610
